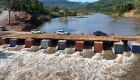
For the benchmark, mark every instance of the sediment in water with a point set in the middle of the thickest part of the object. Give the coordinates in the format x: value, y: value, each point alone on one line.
x: 25, y: 65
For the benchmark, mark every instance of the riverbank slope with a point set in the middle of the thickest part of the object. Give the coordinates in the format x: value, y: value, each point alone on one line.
x: 21, y: 20
x: 132, y: 14
x: 25, y: 21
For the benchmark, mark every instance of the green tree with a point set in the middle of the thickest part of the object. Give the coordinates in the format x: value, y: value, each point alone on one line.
x: 23, y: 5
x: 26, y: 5
x: 137, y: 5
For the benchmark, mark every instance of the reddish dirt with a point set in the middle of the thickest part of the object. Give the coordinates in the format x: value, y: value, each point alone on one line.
x: 19, y: 20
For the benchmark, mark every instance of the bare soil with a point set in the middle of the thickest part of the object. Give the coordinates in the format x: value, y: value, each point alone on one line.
x: 19, y: 20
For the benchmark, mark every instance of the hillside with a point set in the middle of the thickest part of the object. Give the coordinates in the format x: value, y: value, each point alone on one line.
x: 108, y: 2
x: 112, y: 5
x: 62, y: 3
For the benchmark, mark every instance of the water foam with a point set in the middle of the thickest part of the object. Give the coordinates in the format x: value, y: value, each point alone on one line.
x: 25, y: 65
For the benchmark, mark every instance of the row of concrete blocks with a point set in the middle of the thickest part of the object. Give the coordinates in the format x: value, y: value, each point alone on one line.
x: 61, y: 44
x: 126, y: 46
x: 97, y: 46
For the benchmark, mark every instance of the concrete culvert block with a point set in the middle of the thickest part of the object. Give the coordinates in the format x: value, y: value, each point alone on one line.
x: 118, y: 47
x: 45, y: 44
x: 98, y: 46
x: 28, y: 43
x: 13, y: 42
x: 1, y: 41
x: 135, y: 46
x: 4, y: 41
x: 61, y: 44
x: 79, y: 45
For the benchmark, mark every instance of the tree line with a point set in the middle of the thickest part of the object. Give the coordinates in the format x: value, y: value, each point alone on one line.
x: 23, y: 5
x: 36, y: 8
x: 115, y: 6
x: 137, y: 5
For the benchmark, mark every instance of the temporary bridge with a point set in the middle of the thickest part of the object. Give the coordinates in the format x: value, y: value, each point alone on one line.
x: 119, y: 43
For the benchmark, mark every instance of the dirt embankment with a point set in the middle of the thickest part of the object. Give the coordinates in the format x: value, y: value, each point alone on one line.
x: 20, y: 20
x: 132, y: 14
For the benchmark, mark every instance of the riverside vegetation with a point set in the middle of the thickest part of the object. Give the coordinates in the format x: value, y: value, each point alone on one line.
x: 39, y: 13
x: 115, y: 6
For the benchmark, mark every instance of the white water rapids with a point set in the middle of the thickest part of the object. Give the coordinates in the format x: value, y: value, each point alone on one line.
x: 25, y: 65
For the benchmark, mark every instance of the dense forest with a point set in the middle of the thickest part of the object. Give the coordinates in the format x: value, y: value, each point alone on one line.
x: 55, y: 7
x: 62, y: 3
x: 24, y: 5
x: 114, y: 6
x: 34, y: 6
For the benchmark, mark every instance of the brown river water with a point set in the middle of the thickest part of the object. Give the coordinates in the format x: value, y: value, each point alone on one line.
x: 62, y: 65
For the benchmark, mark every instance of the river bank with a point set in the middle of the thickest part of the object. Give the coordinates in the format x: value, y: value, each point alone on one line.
x: 25, y: 21
x: 129, y: 14
x: 132, y: 14
x: 19, y: 20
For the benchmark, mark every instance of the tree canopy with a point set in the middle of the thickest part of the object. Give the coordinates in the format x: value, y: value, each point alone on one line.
x: 137, y: 5
x: 24, y: 5
x: 116, y: 6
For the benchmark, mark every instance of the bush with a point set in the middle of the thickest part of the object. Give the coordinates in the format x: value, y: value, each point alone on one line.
x: 44, y: 18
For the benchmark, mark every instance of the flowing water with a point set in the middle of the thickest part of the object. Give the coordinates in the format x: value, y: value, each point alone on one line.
x: 16, y: 64
x: 94, y: 22
x: 25, y: 65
